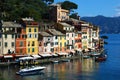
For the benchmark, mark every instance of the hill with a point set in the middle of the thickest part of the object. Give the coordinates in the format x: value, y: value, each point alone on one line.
x: 106, y: 24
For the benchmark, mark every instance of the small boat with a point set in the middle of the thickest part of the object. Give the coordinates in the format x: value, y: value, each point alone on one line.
x: 30, y: 70
x: 54, y: 61
x: 101, y: 58
x: 86, y: 56
x: 65, y: 60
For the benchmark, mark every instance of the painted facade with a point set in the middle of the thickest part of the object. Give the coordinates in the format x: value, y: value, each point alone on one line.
x: 45, y: 42
x: 21, y: 41
x: 58, y: 14
x: 70, y: 35
x: 78, y: 43
x: 85, y: 34
x: 9, y: 30
x: 62, y: 42
x: 95, y: 37
x: 32, y: 36
x: 58, y: 37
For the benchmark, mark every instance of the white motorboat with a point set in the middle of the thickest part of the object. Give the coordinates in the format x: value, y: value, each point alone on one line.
x: 31, y: 69
x: 54, y: 61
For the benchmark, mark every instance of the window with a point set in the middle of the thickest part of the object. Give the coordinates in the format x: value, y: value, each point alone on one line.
x: 56, y: 43
x: 40, y: 44
x: 28, y: 50
x: 12, y: 44
x: 52, y: 49
x: 64, y: 43
x: 21, y: 51
x: 35, y: 30
x: 72, y: 35
x: 45, y: 44
x: 55, y: 37
x: 52, y: 44
x: 29, y: 43
x: 5, y: 35
x: 29, y: 36
x: 33, y: 43
x: 21, y: 43
x: 67, y: 41
x: 72, y: 41
x: 60, y: 37
x: 6, y: 44
x: 29, y: 29
x: 60, y: 44
x: 35, y: 36
x: 12, y: 35
x: 33, y: 49
x: 65, y: 37
x: 18, y: 36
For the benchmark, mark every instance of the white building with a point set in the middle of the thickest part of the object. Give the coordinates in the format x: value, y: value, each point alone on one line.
x: 8, y: 37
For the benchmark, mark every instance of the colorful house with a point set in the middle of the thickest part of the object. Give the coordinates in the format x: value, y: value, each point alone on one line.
x: 58, y: 14
x: 21, y: 41
x: 95, y: 37
x: 78, y: 44
x: 32, y: 36
x: 85, y: 34
x: 70, y: 35
x: 45, y: 42
x: 59, y: 41
x: 9, y: 30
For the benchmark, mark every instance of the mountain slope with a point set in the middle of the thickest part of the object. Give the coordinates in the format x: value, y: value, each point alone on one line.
x: 107, y: 24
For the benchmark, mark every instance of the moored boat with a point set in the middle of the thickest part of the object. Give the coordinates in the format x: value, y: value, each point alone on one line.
x: 30, y: 70
x: 54, y: 61
x: 101, y: 58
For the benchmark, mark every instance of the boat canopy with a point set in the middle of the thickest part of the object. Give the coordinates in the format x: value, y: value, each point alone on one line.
x: 45, y: 55
x: 26, y: 58
x: 8, y: 56
x: 63, y: 53
x: 36, y: 56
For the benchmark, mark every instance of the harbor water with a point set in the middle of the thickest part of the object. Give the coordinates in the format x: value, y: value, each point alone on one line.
x: 78, y: 69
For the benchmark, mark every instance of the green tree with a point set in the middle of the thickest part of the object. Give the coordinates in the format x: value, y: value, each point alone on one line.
x: 75, y: 16
x: 69, y: 5
x: 15, y: 9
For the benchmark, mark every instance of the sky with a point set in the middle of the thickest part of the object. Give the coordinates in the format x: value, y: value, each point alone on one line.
x: 108, y: 8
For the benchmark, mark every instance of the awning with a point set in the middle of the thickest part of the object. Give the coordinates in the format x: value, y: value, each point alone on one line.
x: 26, y: 58
x: 45, y: 55
x: 8, y: 56
x: 63, y: 53
x: 54, y: 54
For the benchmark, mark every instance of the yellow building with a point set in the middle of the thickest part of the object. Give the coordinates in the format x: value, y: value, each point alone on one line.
x: 62, y: 42
x: 32, y: 36
x: 58, y: 14
x: 59, y: 40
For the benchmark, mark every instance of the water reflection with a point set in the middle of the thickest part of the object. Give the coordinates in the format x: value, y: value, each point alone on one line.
x: 73, y: 70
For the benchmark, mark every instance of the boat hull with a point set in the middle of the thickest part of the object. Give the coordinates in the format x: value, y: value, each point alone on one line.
x: 30, y: 70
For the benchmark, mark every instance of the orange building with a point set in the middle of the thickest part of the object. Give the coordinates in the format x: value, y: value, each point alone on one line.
x: 21, y: 41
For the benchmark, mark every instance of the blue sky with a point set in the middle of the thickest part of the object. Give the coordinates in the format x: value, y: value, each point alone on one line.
x: 107, y: 8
